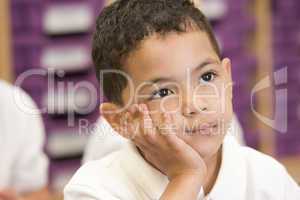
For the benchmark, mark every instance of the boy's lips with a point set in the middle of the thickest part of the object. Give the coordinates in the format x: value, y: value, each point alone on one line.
x: 202, y: 128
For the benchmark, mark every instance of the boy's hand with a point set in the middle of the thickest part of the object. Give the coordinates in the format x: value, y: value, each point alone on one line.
x: 162, y: 147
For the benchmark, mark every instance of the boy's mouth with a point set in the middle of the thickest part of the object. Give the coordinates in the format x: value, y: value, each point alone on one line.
x: 204, y: 129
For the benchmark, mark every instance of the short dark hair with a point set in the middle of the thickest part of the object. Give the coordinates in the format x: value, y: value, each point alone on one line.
x: 121, y: 27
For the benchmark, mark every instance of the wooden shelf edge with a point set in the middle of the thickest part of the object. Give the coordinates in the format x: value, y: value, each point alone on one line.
x: 5, y: 41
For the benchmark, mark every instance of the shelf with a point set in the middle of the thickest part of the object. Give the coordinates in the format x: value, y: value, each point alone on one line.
x: 5, y: 41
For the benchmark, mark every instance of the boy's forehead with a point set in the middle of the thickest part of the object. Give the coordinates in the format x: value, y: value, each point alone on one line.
x: 169, y: 56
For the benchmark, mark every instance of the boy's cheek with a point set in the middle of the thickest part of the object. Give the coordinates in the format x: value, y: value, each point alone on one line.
x: 157, y: 110
x: 167, y: 104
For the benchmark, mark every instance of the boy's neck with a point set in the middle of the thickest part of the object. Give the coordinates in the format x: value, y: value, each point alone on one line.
x: 213, y: 168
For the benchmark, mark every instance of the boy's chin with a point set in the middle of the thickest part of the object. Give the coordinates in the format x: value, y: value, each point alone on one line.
x: 206, y: 146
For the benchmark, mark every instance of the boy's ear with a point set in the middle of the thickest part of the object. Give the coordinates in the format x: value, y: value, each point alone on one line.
x: 226, y: 64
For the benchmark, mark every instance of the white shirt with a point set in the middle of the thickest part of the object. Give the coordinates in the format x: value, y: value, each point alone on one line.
x: 104, y: 140
x: 245, y: 174
x: 23, y: 165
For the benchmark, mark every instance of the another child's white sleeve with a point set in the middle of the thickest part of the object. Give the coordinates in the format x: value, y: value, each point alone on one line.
x: 292, y: 189
x: 30, y: 169
x: 82, y: 192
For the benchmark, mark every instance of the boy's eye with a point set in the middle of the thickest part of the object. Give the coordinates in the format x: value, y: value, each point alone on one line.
x: 161, y: 93
x: 207, y: 77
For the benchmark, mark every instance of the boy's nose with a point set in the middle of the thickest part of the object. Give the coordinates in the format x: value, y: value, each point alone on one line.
x: 190, y: 108
x: 189, y: 112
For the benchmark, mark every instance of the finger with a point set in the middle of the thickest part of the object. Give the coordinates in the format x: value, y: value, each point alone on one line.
x: 133, y: 123
x: 168, y: 126
x: 131, y: 120
x: 123, y: 129
x: 145, y: 152
x: 134, y: 111
x: 133, y: 108
x: 134, y: 117
x: 147, y: 125
x: 140, y: 144
x: 169, y: 132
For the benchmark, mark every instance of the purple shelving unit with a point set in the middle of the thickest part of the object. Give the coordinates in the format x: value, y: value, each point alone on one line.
x: 286, y: 45
x: 30, y: 40
x: 233, y: 33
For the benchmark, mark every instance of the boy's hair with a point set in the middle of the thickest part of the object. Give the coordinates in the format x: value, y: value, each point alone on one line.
x: 122, y: 26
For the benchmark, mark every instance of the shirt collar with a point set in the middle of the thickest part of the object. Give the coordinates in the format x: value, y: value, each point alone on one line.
x: 231, y: 179
x: 153, y: 182
x: 147, y: 178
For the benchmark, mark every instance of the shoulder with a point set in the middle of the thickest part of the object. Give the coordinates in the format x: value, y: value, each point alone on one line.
x: 104, y: 177
x: 260, y: 162
x: 102, y: 142
x: 265, y: 174
x: 11, y: 95
x: 94, y: 172
x: 260, y: 175
x: 17, y: 106
x: 269, y: 176
x: 253, y: 160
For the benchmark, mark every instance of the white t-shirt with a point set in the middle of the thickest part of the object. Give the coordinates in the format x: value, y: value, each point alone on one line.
x: 245, y: 174
x: 23, y: 165
x: 104, y: 140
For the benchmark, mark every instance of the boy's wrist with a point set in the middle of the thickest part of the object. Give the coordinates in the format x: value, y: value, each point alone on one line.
x: 190, y: 174
x: 196, y: 178
x: 183, y: 186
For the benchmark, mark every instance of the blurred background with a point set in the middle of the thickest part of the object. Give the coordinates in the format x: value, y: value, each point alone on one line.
x: 52, y: 38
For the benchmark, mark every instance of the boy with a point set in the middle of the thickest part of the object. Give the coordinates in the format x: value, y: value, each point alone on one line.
x: 176, y: 117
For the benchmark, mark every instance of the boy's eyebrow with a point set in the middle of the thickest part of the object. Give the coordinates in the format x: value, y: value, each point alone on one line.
x: 160, y: 79
x: 204, y: 63
x: 200, y: 66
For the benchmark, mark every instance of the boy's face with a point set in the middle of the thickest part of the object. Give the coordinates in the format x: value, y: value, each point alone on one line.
x: 182, y: 74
